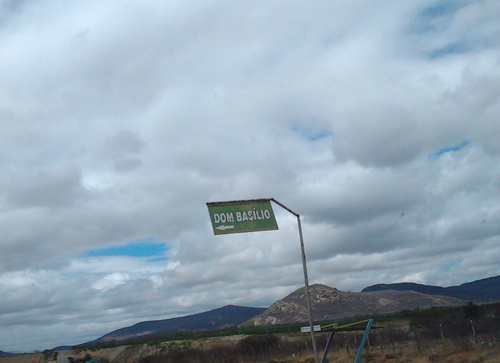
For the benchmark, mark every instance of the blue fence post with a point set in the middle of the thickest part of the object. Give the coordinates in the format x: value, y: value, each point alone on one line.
x: 330, y: 338
x: 363, y: 342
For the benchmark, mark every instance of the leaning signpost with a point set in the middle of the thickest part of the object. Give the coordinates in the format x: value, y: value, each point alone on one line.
x: 240, y: 216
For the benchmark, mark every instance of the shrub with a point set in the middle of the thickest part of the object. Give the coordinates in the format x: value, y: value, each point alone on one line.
x: 258, y: 344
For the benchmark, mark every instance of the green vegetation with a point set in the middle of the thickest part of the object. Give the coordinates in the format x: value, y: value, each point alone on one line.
x: 152, y: 340
x: 266, y: 347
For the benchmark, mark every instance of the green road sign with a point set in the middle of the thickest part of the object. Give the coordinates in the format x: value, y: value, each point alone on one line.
x: 242, y: 216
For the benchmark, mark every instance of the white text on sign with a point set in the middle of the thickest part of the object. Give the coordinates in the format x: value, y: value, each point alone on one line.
x: 251, y: 215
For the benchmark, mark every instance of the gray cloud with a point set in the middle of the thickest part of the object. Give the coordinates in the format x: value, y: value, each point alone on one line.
x: 377, y: 123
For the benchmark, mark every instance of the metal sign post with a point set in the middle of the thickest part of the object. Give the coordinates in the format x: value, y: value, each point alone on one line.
x: 254, y: 215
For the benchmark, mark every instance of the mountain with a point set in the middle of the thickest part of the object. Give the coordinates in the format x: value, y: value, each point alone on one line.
x: 330, y: 304
x: 214, y: 319
x: 62, y: 347
x: 4, y: 354
x: 485, y: 290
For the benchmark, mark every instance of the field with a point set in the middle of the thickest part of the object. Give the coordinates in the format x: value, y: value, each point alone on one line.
x: 389, y: 342
x: 281, y: 348
x: 392, y: 344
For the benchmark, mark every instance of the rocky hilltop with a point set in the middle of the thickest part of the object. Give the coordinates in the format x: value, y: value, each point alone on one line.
x: 330, y: 304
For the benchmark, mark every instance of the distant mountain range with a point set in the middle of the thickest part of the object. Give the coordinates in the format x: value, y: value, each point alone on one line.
x: 484, y: 290
x: 327, y: 304
x: 214, y: 319
x: 4, y: 354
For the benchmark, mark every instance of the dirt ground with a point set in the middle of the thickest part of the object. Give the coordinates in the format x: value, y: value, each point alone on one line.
x: 445, y: 353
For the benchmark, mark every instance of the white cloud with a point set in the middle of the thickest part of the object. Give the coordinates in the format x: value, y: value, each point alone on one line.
x: 110, y: 281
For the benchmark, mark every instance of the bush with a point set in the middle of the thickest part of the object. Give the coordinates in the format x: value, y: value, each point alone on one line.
x: 258, y: 344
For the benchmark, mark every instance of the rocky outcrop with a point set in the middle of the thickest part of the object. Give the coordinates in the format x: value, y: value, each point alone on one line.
x: 329, y: 304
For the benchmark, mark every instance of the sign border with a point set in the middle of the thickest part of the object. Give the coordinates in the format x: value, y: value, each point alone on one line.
x: 251, y: 225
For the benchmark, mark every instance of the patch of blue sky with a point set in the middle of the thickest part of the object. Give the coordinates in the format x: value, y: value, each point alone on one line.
x: 459, y: 48
x: 147, y: 248
x: 312, y: 133
x: 454, y: 48
x: 444, y: 7
x: 453, y: 148
x: 449, y: 266
x: 432, y: 18
x: 157, y: 259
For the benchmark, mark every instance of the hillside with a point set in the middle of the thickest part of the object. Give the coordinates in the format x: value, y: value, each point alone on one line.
x: 327, y: 304
x: 330, y: 304
x: 214, y: 319
x: 485, y: 290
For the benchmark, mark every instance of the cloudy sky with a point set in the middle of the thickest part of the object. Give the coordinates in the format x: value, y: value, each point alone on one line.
x: 376, y: 121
